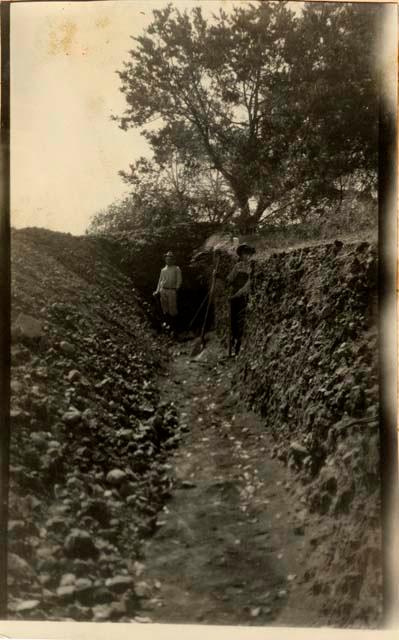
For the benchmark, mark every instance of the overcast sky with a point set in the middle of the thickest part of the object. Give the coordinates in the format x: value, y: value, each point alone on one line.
x: 65, y: 150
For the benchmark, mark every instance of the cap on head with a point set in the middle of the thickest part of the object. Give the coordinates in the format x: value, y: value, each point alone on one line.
x: 169, y: 254
x: 245, y: 248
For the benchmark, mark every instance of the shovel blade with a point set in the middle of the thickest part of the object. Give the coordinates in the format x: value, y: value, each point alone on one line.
x: 198, y: 347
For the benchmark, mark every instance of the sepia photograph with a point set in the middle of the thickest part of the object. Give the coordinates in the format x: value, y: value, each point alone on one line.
x: 198, y: 420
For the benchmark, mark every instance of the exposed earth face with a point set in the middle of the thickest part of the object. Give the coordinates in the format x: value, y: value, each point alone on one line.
x: 143, y: 486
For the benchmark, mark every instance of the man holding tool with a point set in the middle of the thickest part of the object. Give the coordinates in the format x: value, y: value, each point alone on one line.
x: 240, y: 280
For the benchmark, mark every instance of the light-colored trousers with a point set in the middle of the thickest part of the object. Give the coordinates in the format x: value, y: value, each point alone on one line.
x: 168, y: 299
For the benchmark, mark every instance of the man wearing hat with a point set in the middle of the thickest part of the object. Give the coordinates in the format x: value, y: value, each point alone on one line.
x: 239, y: 278
x: 169, y: 283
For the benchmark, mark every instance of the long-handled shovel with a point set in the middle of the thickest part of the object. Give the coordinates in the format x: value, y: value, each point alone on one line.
x: 230, y: 335
x: 251, y: 288
x: 198, y: 310
x: 158, y: 309
x: 199, y: 344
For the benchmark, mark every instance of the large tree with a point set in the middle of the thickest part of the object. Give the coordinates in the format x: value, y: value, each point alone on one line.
x: 271, y: 102
x: 179, y: 183
x: 206, y: 80
x: 166, y: 191
x: 331, y: 105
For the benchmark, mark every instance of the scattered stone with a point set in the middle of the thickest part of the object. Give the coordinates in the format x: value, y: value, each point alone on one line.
x: 118, y: 609
x: 80, y: 544
x: 119, y: 584
x: 142, y: 589
x: 16, y: 527
x: 188, y: 484
x: 116, y: 477
x: 83, y: 583
x: 19, y: 355
x: 142, y: 619
x: 138, y: 568
x: 146, y: 410
x: 73, y: 375
x: 102, y: 595
x: 85, y: 591
x: 67, y: 347
x: 26, y: 605
x: 298, y: 449
x: 45, y: 579
x: 67, y: 593
x: 27, y: 327
x: 21, y: 569
x: 72, y: 416
x: 100, y: 385
x: 19, y: 416
x: 101, y: 613
x: 67, y: 580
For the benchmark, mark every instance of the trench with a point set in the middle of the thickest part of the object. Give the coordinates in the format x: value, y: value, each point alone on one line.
x: 197, y: 509
x: 246, y: 538
x: 227, y: 547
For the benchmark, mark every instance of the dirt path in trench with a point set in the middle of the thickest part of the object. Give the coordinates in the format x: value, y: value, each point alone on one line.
x: 226, y: 550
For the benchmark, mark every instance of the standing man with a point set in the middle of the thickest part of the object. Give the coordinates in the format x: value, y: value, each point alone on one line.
x: 169, y: 283
x: 240, y: 281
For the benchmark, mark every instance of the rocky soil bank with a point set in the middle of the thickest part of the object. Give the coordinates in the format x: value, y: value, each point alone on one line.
x: 89, y: 434
x: 92, y: 437
x: 309, y: 365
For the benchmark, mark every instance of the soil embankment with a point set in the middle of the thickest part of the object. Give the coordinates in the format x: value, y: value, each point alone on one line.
x: 89, y: 431
x: 266, y: 513
x: 309, y: 366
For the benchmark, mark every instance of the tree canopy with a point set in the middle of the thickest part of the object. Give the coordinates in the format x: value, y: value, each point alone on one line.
x: 251, y: 111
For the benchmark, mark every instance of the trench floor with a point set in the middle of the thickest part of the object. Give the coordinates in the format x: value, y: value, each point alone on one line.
x: 226, y: 550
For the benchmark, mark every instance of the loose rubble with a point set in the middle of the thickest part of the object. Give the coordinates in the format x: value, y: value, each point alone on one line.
x: 91, y: 437
x: 89, y: 433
